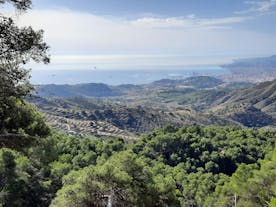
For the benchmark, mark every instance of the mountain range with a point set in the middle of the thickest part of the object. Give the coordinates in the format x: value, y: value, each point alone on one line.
x: 253, y: 69
x: 130, y: 110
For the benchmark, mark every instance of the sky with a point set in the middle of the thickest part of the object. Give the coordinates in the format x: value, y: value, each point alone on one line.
x: 152, y: 34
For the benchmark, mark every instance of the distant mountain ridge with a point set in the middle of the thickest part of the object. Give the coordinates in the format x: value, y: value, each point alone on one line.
x: 199, y: 82
x: 261, y: 69
x: 88, y: 90
x: 78, y: 90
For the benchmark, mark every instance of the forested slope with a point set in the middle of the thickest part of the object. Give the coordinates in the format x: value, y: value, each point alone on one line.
x: 167, y: 167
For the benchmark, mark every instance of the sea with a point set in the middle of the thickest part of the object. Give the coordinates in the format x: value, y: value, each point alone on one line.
x: 118, y: 77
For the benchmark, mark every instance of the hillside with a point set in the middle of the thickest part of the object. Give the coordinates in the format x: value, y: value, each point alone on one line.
x: 136, y: 109
x: 248, y: 104
x: 104, y: 118
x: 79, y: 90
x: 261, y: 96
x: 254, y: 106
x: 102, y: 90
x: 199, y: 82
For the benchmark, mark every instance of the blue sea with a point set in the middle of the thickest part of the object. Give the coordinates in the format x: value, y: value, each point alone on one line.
x: 117, y: 77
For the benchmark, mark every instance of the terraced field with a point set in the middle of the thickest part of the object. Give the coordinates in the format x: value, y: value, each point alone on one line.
x: 85, y: 127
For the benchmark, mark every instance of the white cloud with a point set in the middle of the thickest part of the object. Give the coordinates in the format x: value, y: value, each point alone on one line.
x: 259, y: 6
x: 190, y: 22
x: 76, y: 35
x: 191, y: 16
x: 265, y: 5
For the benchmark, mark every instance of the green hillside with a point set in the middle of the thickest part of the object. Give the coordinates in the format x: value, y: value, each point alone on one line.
x: 179, y: 166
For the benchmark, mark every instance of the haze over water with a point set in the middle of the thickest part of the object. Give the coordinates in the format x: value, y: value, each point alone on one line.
x: 117, y: 77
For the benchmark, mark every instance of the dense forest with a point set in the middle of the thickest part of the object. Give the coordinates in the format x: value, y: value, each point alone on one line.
x: 184, y: 166
x: 187, y: 166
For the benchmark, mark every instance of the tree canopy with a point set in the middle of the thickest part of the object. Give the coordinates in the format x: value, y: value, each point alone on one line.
x: 18, y: 46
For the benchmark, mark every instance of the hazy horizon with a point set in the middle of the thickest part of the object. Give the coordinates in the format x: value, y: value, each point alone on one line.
x: 150, y: 34
x: 119, y: 77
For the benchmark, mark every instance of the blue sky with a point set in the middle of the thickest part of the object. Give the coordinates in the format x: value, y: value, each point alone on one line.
x: 134, y: 8
x: 152, y: 34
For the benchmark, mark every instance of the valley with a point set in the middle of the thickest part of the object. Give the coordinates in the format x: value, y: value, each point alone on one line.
x: 127, y: 111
